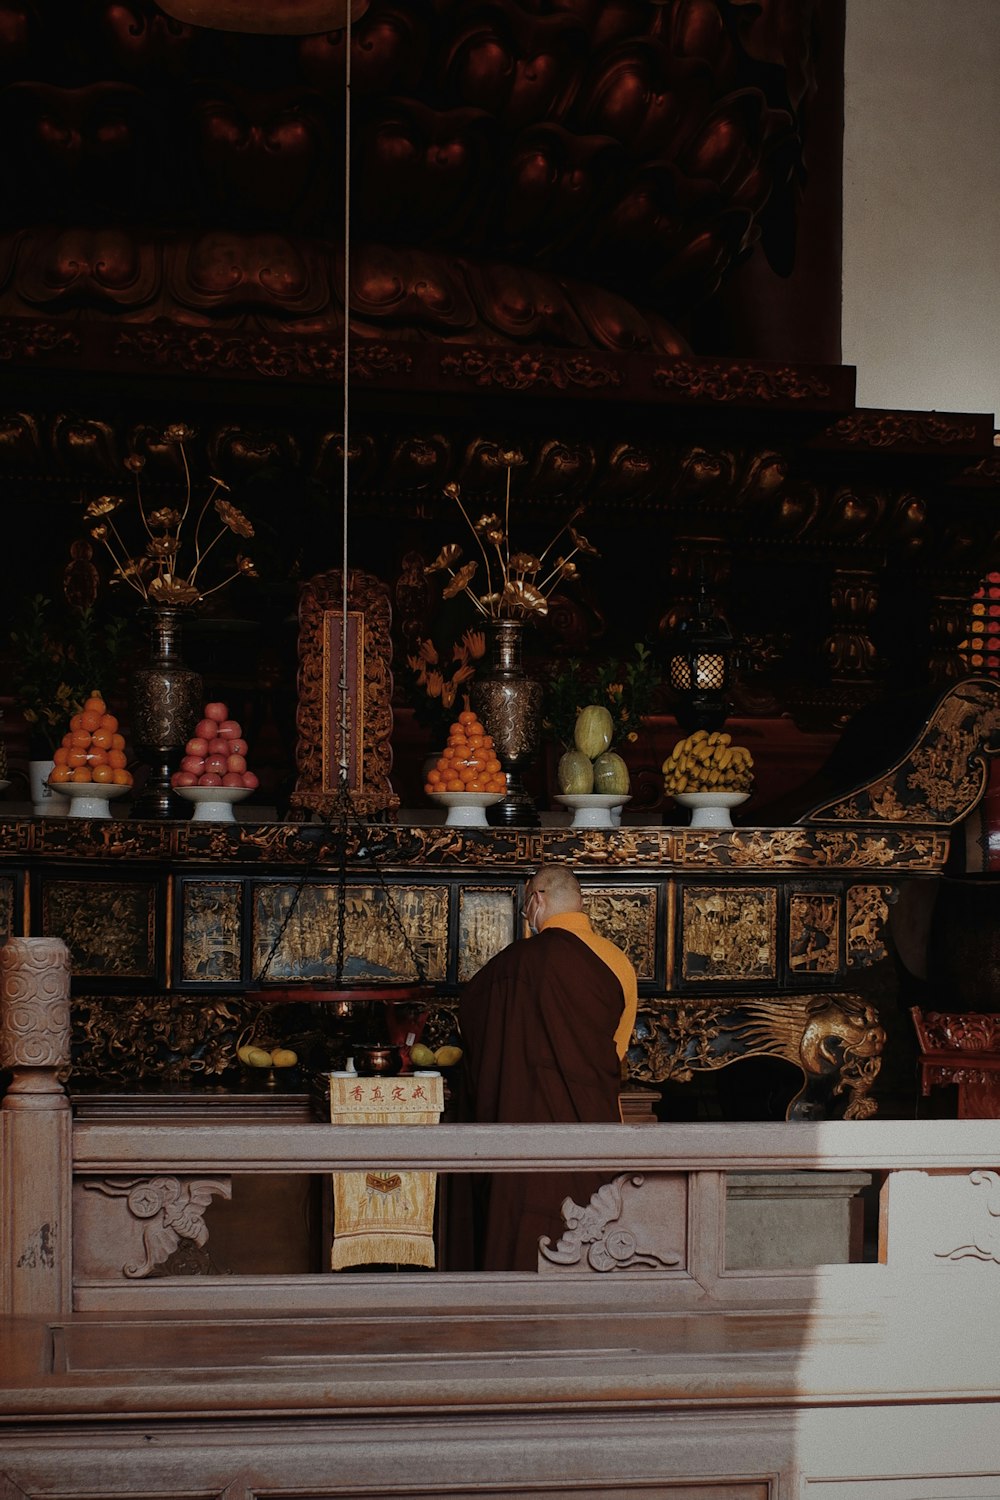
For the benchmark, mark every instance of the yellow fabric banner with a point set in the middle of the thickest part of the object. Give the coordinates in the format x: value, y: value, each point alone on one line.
x: 381, y: 1216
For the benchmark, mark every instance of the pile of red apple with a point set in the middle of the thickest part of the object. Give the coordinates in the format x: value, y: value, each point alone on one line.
x: 216, y: 754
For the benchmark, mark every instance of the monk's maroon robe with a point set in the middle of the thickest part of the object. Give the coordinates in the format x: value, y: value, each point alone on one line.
x: 538, y: 1025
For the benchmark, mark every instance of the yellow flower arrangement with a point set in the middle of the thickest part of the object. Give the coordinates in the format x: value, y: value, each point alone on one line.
x: 518, y: 584
x: 154, y: 570
x: 440, y: 680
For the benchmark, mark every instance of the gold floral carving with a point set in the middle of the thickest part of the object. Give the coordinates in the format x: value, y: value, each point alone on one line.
x: 887, y: 429
x: 628, y: 917
x: 25, y: 339
x: 514, y: 370
x: 728, y: 933
x: 203, y: 349
x: 368, y: 694
x: 836, y: 1040
x: 108, y: 926
x: 158, y: 1039
x: 739, y: 381
x: 945, y: 773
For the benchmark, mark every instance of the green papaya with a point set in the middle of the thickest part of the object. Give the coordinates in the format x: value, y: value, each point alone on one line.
x: 610, y: 774
x: 594, y: 729
x: 575, y: 773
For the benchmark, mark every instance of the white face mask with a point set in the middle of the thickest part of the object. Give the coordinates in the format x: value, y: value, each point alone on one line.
x: 531, y: 902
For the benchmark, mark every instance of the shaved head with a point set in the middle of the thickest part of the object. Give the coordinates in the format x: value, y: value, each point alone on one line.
x: 558, y: 886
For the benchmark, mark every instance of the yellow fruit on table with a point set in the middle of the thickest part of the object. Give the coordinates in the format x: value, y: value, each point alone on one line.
x: 243, y: 1053
x: 421, y: 1056
x: 257, y: 1057
x: 284, y: 1057
x: 447, y: 1057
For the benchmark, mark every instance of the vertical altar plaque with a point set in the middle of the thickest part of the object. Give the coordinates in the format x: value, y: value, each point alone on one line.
x: 344, y: 732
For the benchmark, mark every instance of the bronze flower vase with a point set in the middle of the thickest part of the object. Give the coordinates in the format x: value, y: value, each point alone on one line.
x: 510, y: 705
x: 165, y: 703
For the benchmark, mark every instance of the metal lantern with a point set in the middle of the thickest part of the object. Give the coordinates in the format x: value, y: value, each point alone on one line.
x: 701, y: 660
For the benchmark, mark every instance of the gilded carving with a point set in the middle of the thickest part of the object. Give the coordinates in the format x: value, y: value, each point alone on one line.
x: 34, y: 1003
x: 887, y: 429
x: 867, y: 912
x: 485, y: 927
x: 369, y: 690
x: 524, y: 370
x: 155, y: 1038
x: 601, y: 1234
x: 25, y: 339
x: 627, y: 917
x: 211, y: 931
x: 944, y: 775
x: 836, y: 1040
x: 108, y: 926
x: 374, y: 948
x: 172, y: 1213
x: 813, y: 933
x: 729, y: 933
x: 740, y: 381
x: 813, y: 848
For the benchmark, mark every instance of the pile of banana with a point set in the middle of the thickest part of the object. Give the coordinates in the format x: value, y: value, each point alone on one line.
x: 708, y: 762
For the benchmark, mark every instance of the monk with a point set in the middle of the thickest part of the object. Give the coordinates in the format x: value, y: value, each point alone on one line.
x: 545, y: 1025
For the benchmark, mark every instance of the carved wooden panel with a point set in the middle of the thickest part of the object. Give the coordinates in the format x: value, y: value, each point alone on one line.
x: 814, y: 933
x: 211, y: 931
x: 109, y: 926
x: 627, y: 916
x: 375, y: 946
x: 487, y: 923
x: 728, y: 933
x: 344, y: 721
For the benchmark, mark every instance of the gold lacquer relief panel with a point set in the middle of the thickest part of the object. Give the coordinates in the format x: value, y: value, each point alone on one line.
x: 814, y: 933
x: 7, y: 898
x: 486, y: 920
x: 628, y: 918
x: 211, y: 928
x: 374, y: 926
x: 108, y: 926
x: 867, y: 916
x: 729, y: 934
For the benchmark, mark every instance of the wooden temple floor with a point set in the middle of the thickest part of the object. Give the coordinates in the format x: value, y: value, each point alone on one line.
x: 96, y: 1364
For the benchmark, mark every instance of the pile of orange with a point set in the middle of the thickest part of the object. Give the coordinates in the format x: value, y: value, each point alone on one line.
x: 468, y: 763
x: 92, y: 750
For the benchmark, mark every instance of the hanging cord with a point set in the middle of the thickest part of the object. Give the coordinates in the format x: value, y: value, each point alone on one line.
x: 347, y: 818
x: 344, y: 808
x: 346, y: 384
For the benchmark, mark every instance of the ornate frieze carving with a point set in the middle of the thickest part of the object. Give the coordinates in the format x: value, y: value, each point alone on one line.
x: 835, y: 1039
x: 981, y: 1226
x: 171, y: 1211
x: 944, y: 774
x: 612, y: 1233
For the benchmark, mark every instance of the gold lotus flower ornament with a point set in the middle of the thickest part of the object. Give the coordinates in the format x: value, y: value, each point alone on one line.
x: 514, y: 589
x: 164, y: 569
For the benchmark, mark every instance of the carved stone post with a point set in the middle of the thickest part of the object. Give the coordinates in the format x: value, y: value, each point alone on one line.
x: 35, y: 1129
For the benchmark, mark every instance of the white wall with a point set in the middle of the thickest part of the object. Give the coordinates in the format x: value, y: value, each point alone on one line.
x: 921, y: 295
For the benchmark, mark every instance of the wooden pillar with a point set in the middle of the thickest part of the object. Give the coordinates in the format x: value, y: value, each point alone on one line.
x: 35, y: 1129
